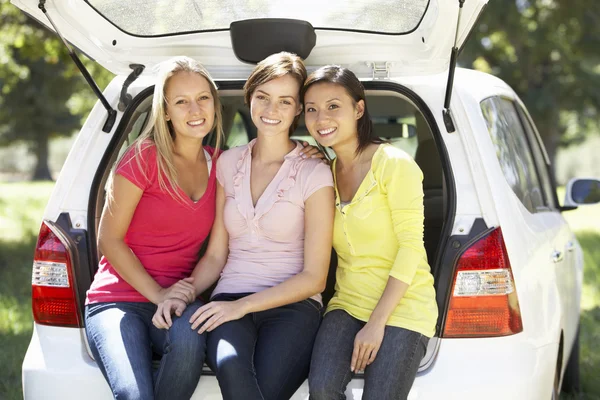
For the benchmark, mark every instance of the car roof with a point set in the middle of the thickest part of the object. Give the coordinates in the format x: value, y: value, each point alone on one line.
x: 480, y: 85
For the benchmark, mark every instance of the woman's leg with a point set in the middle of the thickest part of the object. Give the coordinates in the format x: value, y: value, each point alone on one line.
x: 183, y: 351
x: 284, y: 346
x: 119, y: 338
x: 393, y: 372
x: 230, y: 354
x: 330, y: 366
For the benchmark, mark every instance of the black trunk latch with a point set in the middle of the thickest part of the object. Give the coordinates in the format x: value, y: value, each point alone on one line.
x: 125, y: 97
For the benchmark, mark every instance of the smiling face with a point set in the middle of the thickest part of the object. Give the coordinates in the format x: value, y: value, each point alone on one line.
x: 190, y: 106
x: 275, y: 104
x: 331, y: 114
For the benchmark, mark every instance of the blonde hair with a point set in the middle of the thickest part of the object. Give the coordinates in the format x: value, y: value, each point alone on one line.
x: 160, y: 131
x: 273, y: 67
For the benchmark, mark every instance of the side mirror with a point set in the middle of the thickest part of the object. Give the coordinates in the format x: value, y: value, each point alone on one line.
x: 582, y: 192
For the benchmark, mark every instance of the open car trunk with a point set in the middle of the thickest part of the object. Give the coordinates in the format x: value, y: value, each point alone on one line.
x: 398, y: 115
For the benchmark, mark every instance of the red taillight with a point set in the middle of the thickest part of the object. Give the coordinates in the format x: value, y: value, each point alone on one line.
x: 484, y: 298
x: 53, y: 298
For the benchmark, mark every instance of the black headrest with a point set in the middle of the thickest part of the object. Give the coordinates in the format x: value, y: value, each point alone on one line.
x: 254, y: 40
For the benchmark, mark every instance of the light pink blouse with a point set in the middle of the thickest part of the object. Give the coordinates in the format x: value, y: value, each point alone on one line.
x: 266, y: 242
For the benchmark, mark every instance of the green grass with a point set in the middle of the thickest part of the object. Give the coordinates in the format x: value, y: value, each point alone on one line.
x: 590, y: 313
x: 21, y: 209
x: 585, y: 221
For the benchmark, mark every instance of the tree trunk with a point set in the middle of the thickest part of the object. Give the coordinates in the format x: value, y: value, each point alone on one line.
x: 550, y: 132
x: 40, y: 149
x: 551, y: 144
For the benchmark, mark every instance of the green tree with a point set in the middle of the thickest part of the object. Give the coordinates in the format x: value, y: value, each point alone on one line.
x: 547, y: 51
x: 43, y: 94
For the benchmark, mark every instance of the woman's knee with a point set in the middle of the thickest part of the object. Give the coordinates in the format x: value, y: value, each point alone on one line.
x: 227, y: 361
x: 182, y: 338
x: 185, y: 341
x: 133, y: 392
x: 231, y: 345
x: 322, y: 388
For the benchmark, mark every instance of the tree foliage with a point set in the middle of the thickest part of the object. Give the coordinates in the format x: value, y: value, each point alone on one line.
x: 547, y: 50
x: 42, y: 94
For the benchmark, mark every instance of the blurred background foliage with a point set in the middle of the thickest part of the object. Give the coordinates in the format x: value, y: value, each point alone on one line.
x: 43, y: 95
x: 548, y: 52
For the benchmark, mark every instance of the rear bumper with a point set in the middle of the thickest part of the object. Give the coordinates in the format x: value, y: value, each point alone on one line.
x: 490, y: 369
x: 57, y: 366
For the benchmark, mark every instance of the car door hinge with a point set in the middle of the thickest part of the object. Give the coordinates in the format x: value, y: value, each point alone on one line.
x: 380, y: 70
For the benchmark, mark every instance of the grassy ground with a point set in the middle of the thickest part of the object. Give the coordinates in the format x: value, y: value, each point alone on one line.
x: 590, y: 313
x: 21, y: 209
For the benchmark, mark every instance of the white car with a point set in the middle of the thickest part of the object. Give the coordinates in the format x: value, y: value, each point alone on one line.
x: 507, y: 268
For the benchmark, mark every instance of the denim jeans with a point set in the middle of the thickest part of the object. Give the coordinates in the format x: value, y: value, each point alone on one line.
x: 389, y: 377
x: 264, y: 355
x: 122, y: 339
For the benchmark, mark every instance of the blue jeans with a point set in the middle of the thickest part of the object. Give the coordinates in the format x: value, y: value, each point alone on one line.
x: 123, y: 339
x: 264, y: 355
x: 389, y: 377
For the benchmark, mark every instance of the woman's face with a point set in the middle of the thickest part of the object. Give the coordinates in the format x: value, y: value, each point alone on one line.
x: 331, y: 114
x: 275, y: 104
x: 190, y: 105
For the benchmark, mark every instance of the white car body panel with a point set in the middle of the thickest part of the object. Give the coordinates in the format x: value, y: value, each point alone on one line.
x: 466, y: 369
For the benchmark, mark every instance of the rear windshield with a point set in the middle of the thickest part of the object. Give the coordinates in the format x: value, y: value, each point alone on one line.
x: 162, y: 18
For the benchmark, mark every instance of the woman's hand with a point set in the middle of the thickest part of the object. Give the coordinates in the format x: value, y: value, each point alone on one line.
x: 162, y: 316
x: 310, y: 151
x: 183, y: 290
x: 366, y: 345
x: 216, y: 313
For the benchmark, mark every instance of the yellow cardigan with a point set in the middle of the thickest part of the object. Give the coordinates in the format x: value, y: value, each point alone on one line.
x: 380, y: 234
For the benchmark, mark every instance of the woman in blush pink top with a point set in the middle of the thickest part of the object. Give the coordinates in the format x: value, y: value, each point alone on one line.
x: 271, y: 245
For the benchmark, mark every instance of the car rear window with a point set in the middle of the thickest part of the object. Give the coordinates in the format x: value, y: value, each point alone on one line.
x: 163, y: 18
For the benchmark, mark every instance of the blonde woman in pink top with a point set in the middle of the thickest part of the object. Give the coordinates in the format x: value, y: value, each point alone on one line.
x: 270, y: 245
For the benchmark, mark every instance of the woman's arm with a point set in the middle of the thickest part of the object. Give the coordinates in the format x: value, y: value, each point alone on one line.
x: 402, y: 182
x: 318, y: 233
x: 368, y: 340
x: 206, y: 272
x: 116, y: 217
x: 209, y: 268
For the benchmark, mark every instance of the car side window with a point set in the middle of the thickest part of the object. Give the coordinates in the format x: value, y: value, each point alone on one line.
x: 543, y: 166
x: 513, y: 151
x: 138, y: 121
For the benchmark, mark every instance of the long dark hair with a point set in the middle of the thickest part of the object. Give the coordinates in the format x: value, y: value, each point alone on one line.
x: 346, y: 78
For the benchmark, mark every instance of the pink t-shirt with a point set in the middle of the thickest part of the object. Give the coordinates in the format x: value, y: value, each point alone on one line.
x: 266, y: 242
x: 165, y: 233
